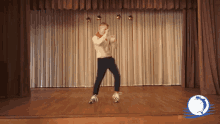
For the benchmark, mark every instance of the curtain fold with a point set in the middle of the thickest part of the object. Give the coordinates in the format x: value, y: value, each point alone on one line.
x: 183, y: 63
x: 210, y: 81
x: 200, y: 62
x: 148, y: 51
x: 15, y: 48
x: 190, y: 45
x: 217, y: 34
x: 112, y: 4
x: 190, y: 62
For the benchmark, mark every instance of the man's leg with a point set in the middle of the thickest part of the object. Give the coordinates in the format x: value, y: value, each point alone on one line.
x: 114, y: 69
x: 100, y: 74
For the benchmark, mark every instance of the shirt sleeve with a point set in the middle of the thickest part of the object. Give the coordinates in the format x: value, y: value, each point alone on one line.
x: 97, y: 40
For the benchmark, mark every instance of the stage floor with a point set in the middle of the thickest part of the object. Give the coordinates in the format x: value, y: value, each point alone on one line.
x: 142, y: 101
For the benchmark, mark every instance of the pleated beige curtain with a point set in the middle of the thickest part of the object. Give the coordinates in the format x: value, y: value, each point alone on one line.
x: 63, y: 55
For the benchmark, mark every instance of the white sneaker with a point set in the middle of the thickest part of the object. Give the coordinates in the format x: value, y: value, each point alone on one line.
x: 93, y: 99
x: 116, y: 97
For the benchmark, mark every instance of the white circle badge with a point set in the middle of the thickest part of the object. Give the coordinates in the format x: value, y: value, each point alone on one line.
x: 198, y: 105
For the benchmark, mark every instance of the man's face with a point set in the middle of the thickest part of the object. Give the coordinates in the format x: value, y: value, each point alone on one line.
x: 102, y: 29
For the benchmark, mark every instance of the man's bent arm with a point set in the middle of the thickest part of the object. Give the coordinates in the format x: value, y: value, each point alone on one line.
x: 97, y: 40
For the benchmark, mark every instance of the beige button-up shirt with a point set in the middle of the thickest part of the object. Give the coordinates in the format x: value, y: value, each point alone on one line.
x: 103, y: 46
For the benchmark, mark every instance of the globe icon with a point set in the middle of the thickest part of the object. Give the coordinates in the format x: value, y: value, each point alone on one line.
x: 198, y: 105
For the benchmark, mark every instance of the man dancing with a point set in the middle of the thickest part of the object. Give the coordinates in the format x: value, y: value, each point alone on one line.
x: 103, y: 44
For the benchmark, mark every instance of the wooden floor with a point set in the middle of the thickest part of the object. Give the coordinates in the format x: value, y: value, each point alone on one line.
x: 135, y: 102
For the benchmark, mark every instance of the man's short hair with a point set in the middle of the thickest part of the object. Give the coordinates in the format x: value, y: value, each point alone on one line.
x: 103, y: 23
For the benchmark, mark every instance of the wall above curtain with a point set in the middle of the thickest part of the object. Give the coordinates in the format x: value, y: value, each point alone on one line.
x: 112, y: 4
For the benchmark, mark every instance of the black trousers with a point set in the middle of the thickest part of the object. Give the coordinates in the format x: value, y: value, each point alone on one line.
x: 103, y: 65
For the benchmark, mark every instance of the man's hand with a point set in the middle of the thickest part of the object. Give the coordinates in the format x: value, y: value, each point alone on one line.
x: 112, y: 38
